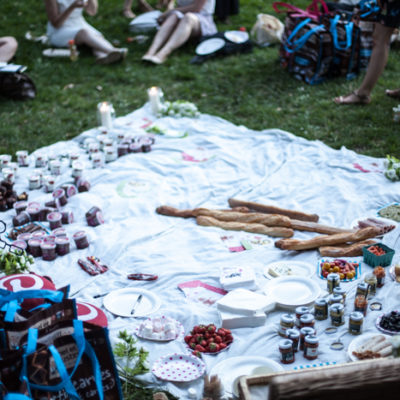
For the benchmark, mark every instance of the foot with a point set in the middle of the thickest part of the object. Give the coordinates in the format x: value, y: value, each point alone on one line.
x: 147, y: 57
x: 128, y: 13
x: 395, y: 93
x: 353, y: 98
x: 112, y: 57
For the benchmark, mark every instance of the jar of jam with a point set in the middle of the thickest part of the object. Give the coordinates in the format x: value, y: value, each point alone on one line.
x: 34, y: 247
x: 60, y: 197
x: 299, y: 312
x: 62, y: 245
x: 40, y: 161
x: 362, y: 289
x: 311, y: 347
x: 54, y: 219
x: 110, y: 154
x: 122, y: 149
x: 321, y: 309
x: 83, y: 185
x: 286, y: 350
x: 77, y: 169
x: 48, y: 251
x: 67, y: 217
x: 294, y: 335
x: 335, y: 299
x: 20, y: 206
x: 25, y: 236
x: 341, y: 291
x: 19, y: 245
x: 303, y: 333
x: 307, y: 320
x: 34, y: 213
x: 80, y: 240
x: 22, y: 158
x: 356, y: 323
x: 372, y: 282
x: 361, y: 304
x: 59, y: 232
x: 73, y: 157
x: 55, y: 167
x: 333, y: 280
x: 287, y: 322
x: 70, y: 190
x: 379, y: 272
x: 21, y: 219
x: 336, y: 312
x: 94, y: 216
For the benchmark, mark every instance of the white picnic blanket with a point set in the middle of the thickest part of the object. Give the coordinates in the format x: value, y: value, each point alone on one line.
x: 215, y: 161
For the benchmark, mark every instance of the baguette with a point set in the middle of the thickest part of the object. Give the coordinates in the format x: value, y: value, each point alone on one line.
x: 352, y: 250
x: 175, y: 212
x: 275, y: 231
x: 314, y: 227
x: 265, y: 219
x: 327, y: 240
x: 273, y: 210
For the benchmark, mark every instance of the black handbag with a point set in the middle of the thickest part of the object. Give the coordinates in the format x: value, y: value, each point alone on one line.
x: 17, y: 86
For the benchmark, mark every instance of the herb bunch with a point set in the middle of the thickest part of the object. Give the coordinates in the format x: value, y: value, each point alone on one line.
x: 15, y: 262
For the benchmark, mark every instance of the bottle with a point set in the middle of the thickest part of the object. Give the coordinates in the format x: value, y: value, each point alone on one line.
x: 73, y: 51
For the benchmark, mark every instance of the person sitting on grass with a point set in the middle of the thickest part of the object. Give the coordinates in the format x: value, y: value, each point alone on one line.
x: 8, y: 48
x: 144, y: 6
x: 192, y: 18
x: 66, y: 22
x: 388, y: 20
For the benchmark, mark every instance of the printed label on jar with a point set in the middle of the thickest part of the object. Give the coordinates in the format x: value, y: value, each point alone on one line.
x: 287, y: 357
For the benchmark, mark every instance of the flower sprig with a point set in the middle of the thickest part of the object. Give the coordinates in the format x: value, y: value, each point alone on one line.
x: 392, y: 165
x: 15, y: 262
x: 178, y: 109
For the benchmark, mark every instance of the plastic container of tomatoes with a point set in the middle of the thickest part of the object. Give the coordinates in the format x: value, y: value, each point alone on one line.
x: 373, y: 257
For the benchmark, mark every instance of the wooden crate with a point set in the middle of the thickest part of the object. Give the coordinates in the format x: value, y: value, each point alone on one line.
x: 361, y: 380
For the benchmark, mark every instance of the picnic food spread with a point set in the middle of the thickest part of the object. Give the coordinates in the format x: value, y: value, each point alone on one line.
x: 204, y: 267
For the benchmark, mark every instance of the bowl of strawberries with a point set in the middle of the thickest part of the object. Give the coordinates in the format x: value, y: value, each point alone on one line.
x: 208, y: 339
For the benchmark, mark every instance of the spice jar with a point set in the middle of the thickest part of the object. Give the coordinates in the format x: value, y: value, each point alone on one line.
x: 336, y: 312
x: 286, y: 350
x: 356, y: 322
x: 311, y: 347
x: 303, y: 333
x: 62, y: 245
x: 80, y: 240
x: 321, y: 309
x: 371, y: 281
x: 361, y: 304
x: 287, y: 322
x: 362, y: 289
x: 34, y: 247
x: 54, y: 219
x: 307, y: 320
x: 299, y: 311
x: 341, y: 291
x: 294, y: 335
x: 333, y: 280
x: 379, y: 272
x: 48, y: 251
x: 335, y: 298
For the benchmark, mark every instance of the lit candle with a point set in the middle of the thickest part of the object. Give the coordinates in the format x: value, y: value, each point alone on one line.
x: 155, y: 98
x: 105, y: 115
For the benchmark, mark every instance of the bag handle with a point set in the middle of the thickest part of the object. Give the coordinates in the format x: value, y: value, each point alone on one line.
x: 349, y: 33
x: 313, y: 8
x: 368, y: 7
x: 300, y: 42
x: 66, y: 383
x: 295, y: 11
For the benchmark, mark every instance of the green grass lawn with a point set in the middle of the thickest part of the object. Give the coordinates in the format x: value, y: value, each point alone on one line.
x: 247, y: 89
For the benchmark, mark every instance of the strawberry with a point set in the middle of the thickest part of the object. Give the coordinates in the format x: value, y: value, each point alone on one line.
x: 210, y: 340
x: 221, y: 332
x: 207, y: 335
x: 192, y: 345
x: 201, y: 328
x: 203, y: 343
x: 200, y: 348
x: 187, y: 338
x: 228, y: 339
x: 211, y: 328
x: 218, y: 339
x: 213, y: 347
x: 197, y: 353
x: 222, y: 346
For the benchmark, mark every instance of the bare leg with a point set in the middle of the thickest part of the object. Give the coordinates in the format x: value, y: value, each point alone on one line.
x: 375, y: 68
x: 144, y: 6
x: 188, y: 26
x: 127, y: 11
x: 162, y: 35
x: 95, y: 42
x: 8, y: 48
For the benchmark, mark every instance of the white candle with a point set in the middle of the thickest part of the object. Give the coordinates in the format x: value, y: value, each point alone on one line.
x: 105, y: 115
x: 155, y: 98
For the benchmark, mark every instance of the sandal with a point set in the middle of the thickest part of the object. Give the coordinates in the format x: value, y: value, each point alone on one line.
x: 395, y: 93
x: 353, y: 98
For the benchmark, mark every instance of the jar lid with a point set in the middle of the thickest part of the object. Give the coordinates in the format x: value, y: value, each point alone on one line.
x: 34, y: 242
x: 302, y: 310
x: 58, y: 193
x: 307, y: 330
x: 54, y: 216
x: 20, y: 204
x: 287, y: 318
x: 285, y: 344
x: 337, y: 307
x: 336, y: 298
x: 356, y: 316
x: 62, y: 240
x: 59, y: 232
x: 321, y: 302
x: 79, y: 234
x: 32, y: 210
x: 333, y: 276
x: 34, y: 178
x: 48, y: 246
x: 311, y: 339
x: 363, y: 285
x: 307, y: 318
x: 339, y: 290
x: 292, y: 333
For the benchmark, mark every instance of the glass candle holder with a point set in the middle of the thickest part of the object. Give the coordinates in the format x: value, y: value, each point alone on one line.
x: 156, y: 99
x: 105, y: 115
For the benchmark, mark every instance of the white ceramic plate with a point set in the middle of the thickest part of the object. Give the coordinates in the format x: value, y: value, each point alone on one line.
x: 387, y: 221
x: 289, y: 292
x: 298, y: 268
x: 140, y: 330
x: 210, y: 46
x: 231, y: 368
x: 237, y: 36
x: 121, y: 301
x: 178, y: 368
x: 56, y: 52
x: 357, y: 342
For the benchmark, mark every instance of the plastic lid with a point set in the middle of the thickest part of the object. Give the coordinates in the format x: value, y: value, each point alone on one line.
x: 54, y: 216
x: 307, y: 318
x: 338, y: 290
x: 336, y: 298
x: 285, y: 344
x: 58, y: 193
x: 307, y: 330
x: 311, y: 339
x: 333, y: 276
x: 48, y: 245
x: 62, y: 240
x: 287, y: 318
x: 292, y: 333
x: 79, y: 234
x: 302, y: 310
x: 34, y: 242
x: 321, y: 302
x: 337, y: 307
x: 356, y: 316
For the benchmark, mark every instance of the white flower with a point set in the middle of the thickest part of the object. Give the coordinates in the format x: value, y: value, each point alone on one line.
x: 391, y: 174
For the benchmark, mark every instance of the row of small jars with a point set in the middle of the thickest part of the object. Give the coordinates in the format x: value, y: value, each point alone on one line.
x: 304, y: 340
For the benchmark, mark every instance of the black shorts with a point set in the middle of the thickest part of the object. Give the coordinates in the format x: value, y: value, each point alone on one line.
x: 390, y: 13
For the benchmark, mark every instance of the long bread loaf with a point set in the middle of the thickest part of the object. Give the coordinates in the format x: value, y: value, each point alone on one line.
x: 276, y: 231
x: 327, y: 240
x: 352, y: 250
x: 273, y: 210
x: 315, y: 227
x: 190, y: 213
